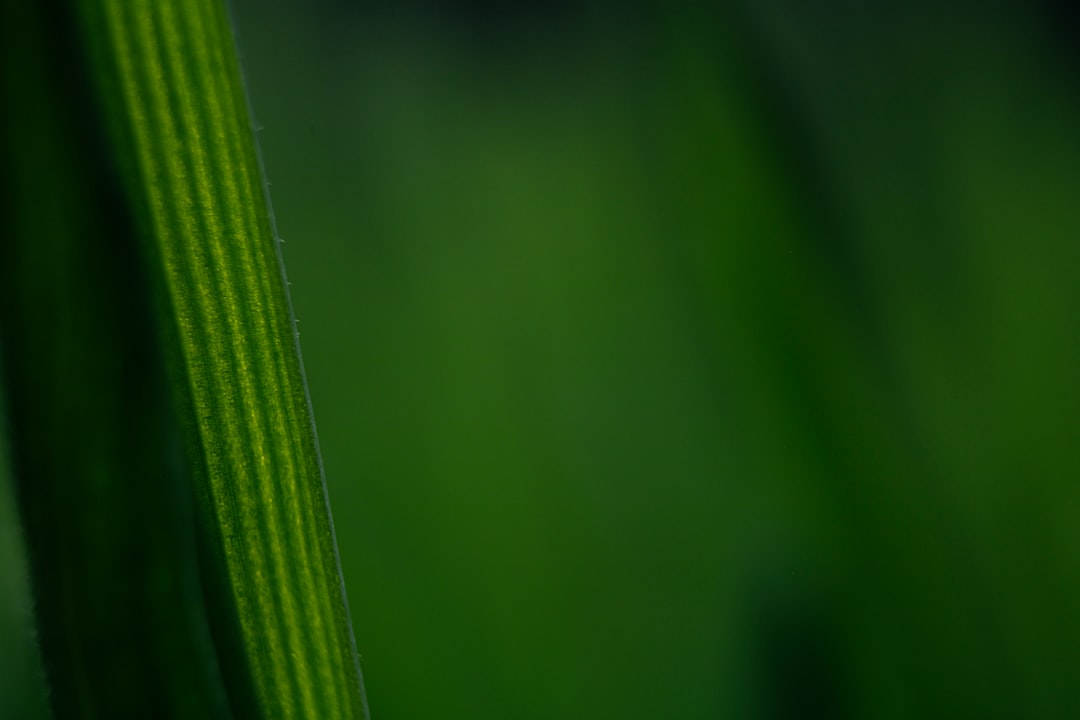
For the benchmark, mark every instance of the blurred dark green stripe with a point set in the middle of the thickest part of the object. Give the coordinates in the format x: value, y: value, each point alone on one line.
x: 96, y: 454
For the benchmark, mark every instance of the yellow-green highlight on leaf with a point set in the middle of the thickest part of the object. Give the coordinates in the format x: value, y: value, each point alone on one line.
x: 180, y: 106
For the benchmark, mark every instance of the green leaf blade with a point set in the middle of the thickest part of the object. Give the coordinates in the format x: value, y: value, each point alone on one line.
x: 236, y: 607
x: 196, y: 156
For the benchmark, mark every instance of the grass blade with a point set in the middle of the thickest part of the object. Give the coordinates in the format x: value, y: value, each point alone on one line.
x: 160, y: 282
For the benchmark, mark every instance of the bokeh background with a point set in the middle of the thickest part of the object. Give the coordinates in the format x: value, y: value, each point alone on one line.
x: 683, y: 360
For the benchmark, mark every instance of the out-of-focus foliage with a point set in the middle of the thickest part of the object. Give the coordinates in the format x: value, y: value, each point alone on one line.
x: 673, y: 363
x: 21, y: 690
x: 676, y: 364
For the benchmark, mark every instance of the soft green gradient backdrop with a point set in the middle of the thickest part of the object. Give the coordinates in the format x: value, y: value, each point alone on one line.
x: 683, y: 364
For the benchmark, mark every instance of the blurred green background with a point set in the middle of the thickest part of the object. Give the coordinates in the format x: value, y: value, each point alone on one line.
x: 674, y: 362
